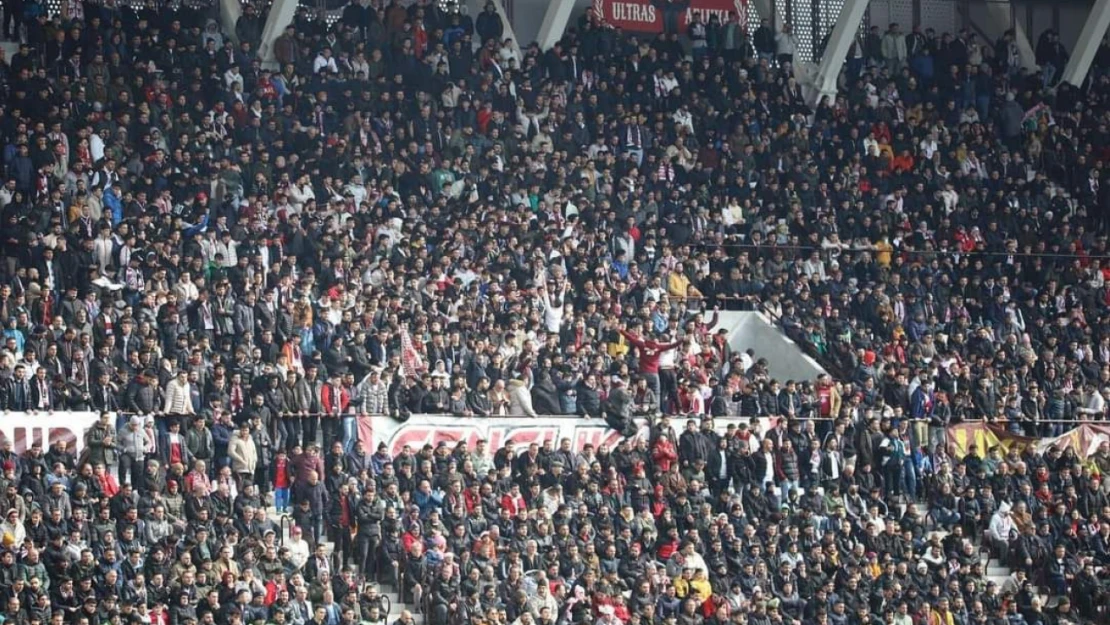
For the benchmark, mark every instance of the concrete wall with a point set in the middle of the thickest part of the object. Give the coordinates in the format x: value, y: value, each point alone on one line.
x: 753, y: 330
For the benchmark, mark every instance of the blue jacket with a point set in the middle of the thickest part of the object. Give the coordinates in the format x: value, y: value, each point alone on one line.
x: 113, y: 203
x: 921, y: 404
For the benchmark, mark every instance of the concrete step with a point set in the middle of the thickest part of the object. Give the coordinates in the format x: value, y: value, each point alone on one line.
x: 396, y: 605
x: 999, y: 571
x: 417, y: 618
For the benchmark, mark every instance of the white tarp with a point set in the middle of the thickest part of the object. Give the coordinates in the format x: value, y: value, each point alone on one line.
x: 26, y: 428
x: 422, y: 430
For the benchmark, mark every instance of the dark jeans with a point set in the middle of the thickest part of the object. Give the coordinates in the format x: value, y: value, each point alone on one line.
x: 331, y: 425
x: 131, y: 470
x: 670, y: 20
x: 1057, y: 583
x: 892, y: 478
x: 653, y: 384
x: 317, y: 528
x: 366, y: 556
x: 292, y: 426
x: 343, y: 546
x: 668, y: 394
x: 262, y: 478
x: 440, y: 613
x: 308, y: 429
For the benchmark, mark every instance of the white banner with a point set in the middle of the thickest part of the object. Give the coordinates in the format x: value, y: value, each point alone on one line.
x: 423, y: 430
x: 24, y: 429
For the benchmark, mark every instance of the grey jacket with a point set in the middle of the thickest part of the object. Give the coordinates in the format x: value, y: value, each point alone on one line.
x: 132, y: 443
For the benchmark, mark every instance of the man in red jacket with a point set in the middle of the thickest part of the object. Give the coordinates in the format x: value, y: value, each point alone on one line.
x: 336, y: 399
x: 649, y: 352
x: 513, y: 501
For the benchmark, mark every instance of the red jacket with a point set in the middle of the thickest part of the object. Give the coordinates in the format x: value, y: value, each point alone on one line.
x: 513, y: 504
x: 650, y: 351
x: 664, y: 455
x: 328, y: 399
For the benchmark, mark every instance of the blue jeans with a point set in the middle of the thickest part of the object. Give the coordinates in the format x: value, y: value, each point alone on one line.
x: 946, y: 518
x: 909, y: 480
x: 785, y: 486
x: 983, y: 106
x: 350, y: 433
x: 281, y: 499
x: 1058, y: 584
x: 1048, y: 74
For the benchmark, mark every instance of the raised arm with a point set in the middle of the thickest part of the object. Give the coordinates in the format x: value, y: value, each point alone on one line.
x: 712, y: 322
x: 632, y: 338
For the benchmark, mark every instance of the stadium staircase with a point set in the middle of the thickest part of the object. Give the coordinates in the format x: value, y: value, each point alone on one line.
x: 994, y: 569
x: 391, y: 592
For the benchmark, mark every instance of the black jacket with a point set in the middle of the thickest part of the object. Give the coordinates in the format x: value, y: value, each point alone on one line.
x: 589, y: 401
x: 370, y: 515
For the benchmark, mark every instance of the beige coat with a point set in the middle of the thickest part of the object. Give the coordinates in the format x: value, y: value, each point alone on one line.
x: 243, y: 454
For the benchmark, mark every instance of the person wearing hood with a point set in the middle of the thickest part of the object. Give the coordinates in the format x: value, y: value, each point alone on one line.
x: 1010, y: 119
x: 545, y: 393
x: 1000, y: 530
x: 520, y: 399
x: 13, y: 525
x: 212, y: 32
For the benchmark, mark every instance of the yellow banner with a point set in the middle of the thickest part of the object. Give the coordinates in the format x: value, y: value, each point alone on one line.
x: 1084, y: 439
x: 983, y: 437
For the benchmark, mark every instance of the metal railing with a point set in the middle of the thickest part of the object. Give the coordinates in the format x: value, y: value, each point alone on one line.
x: 539, y: 418
x: 285, y: 523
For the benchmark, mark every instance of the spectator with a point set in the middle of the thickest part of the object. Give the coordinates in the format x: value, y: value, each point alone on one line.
x: 244, y: 455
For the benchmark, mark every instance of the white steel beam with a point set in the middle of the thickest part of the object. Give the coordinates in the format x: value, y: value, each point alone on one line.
x: 281, y: 15
x: 499, y: 6
x: 1089, y: 40
x: 763, y: 8
x: 840, y: 41
x: 554, y: 23
x: 475, y: 7
x: 230, y: 10
x: 1000, y: 18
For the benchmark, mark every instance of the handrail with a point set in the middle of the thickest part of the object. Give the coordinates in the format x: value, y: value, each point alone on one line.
x: 282, y: 527
x: 401, y: 579
x: 426, y: 598
x: 1076, y: 422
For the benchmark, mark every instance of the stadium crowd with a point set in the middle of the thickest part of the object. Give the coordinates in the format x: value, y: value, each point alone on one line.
x: 407, y: 214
